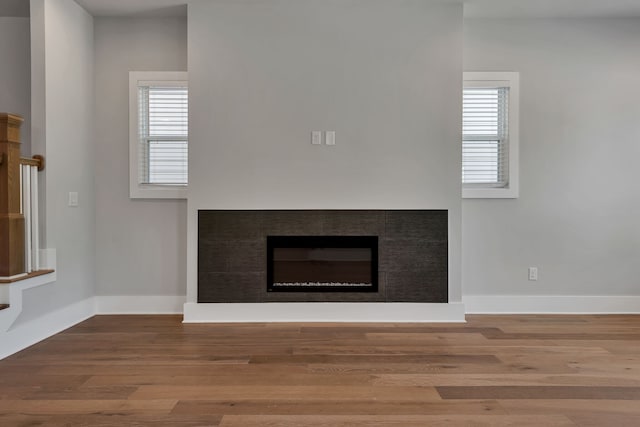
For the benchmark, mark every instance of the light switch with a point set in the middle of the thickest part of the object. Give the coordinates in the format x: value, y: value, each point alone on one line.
x: 73, y: 199
x: 330, y: 137
x: 316, y: 137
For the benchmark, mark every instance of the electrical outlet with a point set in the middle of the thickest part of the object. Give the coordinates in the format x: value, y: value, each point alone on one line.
x: 316, y: 137
x: 533, y: 273
x: 330, y: 137
x: 73, y: 199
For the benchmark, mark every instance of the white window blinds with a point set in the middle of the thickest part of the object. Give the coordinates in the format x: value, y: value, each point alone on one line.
x: 163, y: 134
x: 485, y: 135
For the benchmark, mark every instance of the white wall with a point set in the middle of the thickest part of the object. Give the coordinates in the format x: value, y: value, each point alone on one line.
x: 63, y: 119
x: 577, y: 218
x: 15, y: 74
x: 140, y: 244
x: 386, y: 76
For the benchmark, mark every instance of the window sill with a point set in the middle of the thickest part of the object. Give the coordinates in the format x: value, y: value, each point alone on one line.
x: 157, y: 192
x: 489, y: 193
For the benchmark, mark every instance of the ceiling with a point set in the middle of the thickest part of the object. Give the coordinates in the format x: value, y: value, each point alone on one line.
x: 551, y: 8
x: 150, y: 8
x: 473, y: 8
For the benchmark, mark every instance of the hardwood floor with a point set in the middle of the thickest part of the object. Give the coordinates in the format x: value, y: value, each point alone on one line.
x: 494, y: 371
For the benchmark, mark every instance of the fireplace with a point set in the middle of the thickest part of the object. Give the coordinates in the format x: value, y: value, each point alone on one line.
x: 408, y: 262
x: 322, y: 263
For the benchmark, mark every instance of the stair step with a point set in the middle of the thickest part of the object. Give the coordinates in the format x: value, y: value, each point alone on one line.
x: 26, y: 276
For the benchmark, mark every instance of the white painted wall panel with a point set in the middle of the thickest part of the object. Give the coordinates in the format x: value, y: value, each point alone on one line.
x: 386, y: 76
x: 141, y: 243
x: 577, y: 217
x: 63, y: 102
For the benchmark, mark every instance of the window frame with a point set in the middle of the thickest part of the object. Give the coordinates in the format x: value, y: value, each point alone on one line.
x: 136, y: 189
x: 494, y: 79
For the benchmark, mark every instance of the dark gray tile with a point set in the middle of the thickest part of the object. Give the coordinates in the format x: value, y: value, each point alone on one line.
x: 231, y: 287
x: 426, y: 225
x: 232, y: 252
x: 324, y: 297
x: 382, y: 284
x: 412, y: 255
x: 232, y: 256
x: 248, y: 256
x: 416, y: 287
x: 353, y: 223
x: 292, y: 223
x: 227, y: 225
x: 213, y: 256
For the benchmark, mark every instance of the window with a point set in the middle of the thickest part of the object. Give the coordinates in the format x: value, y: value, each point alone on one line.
x: 490, y: 135
x: 158, y: 134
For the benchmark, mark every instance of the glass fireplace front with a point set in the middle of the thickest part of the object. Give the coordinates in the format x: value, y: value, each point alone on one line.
x: 322, y: 263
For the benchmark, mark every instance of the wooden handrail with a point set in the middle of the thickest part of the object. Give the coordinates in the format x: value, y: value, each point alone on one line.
x: 36, y: 160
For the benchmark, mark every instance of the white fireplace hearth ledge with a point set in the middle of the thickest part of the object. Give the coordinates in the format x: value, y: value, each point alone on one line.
x: 324, y: 312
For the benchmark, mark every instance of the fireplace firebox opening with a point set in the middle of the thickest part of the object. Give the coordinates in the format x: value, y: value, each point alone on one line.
x: 322, y: 263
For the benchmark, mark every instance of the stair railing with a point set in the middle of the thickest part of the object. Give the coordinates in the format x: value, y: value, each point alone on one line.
x: 19, y: 212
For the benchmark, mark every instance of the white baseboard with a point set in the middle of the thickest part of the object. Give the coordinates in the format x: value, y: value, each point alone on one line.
x: 139, y: 304
x: 36, y: 330
x: 551, y: 304
x: 323, y: 312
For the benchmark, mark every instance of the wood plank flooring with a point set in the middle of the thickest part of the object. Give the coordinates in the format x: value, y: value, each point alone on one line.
x: 492, y: 371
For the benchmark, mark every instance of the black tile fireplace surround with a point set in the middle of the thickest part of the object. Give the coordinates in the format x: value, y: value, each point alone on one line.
x: 411, y: 261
